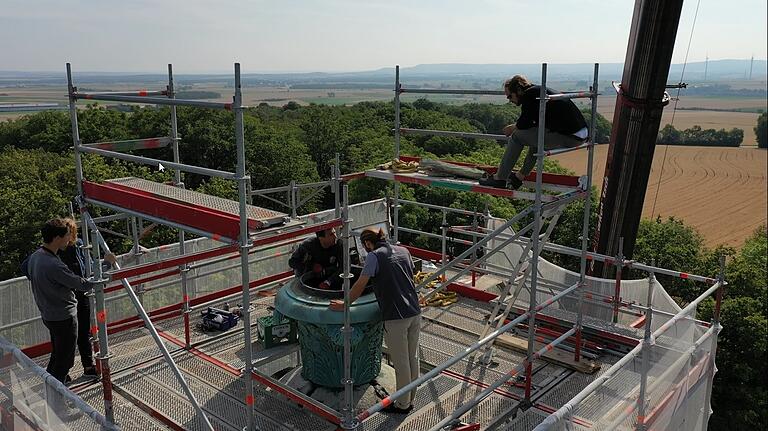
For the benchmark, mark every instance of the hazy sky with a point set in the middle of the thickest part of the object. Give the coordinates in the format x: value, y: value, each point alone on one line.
x: 349, y: 35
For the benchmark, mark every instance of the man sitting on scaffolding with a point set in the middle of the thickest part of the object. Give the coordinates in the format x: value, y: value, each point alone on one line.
x: 322, y: 255
x: 565, y: 128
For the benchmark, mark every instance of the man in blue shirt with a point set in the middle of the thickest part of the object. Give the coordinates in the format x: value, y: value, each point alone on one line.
x: 391, y: 269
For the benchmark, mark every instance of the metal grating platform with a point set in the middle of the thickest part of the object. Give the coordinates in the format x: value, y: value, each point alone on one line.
x: 262, y: 216
x: 142, y: 379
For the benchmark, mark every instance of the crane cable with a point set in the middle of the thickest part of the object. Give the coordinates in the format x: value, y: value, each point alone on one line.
x: 674, y: 108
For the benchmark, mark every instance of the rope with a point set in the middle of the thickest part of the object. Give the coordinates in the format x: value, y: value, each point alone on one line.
x: 674, y: 109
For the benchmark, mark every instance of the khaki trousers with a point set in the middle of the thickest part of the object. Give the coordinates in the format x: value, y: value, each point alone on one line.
x: 402, y: 338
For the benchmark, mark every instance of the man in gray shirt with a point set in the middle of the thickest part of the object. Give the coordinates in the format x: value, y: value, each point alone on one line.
x: 52, y: 286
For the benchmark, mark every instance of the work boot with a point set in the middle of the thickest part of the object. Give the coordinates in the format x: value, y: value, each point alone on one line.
x: 392, y: 408
x: 514, y: 182
x: 90, y: 371
x: 492, y: 182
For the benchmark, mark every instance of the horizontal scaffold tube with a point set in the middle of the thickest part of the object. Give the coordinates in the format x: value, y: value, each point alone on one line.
x: 568, y: 150
x: 157, y: 162
x: 153, y: 100
x: 572, y: 95
x: 449, y: 91
x: 131, y: 144
x: 461, y: 355
x: 141, y: 93
x: 427, y: 132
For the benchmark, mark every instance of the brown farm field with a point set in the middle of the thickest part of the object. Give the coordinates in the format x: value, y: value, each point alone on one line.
x: 719, y: 191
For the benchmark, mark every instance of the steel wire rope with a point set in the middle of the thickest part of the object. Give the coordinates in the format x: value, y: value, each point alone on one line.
x: 674, y: 108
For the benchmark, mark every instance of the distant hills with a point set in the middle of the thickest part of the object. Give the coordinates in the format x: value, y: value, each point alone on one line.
x: 715, y: 70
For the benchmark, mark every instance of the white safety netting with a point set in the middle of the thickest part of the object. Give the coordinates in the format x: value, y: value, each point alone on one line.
x: 30, y: 398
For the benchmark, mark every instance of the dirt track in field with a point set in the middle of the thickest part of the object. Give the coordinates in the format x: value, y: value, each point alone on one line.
x: 719, y: 191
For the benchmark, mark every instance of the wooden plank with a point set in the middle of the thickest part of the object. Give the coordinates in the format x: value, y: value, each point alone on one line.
x: 512, y: 342
x: 558, y: 357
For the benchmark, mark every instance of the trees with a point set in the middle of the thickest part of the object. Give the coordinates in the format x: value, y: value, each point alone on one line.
x: 703, y: 137
x: 740, y: 391
x: 761, y: 130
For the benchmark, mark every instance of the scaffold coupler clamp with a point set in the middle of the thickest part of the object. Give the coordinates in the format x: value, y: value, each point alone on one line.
x: 348, y: 420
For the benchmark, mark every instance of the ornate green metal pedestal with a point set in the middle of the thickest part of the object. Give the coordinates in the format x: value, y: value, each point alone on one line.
x: 322, y: 350
x: 321, y: 340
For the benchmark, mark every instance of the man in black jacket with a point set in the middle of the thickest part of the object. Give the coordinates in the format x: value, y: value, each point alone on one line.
x: 322, y: 255
x: 565, y: 128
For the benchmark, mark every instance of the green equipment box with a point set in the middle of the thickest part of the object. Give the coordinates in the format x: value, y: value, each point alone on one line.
x: 273, y: 333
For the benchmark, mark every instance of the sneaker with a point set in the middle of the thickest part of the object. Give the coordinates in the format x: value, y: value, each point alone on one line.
x: 90, y: 371
x: 67, y: 380
x: 492, y: 182
x: 514, y: 182
x: 394, y: 409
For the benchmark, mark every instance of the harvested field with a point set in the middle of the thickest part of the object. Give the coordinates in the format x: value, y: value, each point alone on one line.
x: 719, y: 191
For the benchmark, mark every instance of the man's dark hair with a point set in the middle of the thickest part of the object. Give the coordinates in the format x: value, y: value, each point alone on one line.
x: 321, y: 233
x: 53, y: 228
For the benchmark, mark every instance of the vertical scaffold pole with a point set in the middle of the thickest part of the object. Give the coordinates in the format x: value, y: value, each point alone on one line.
x: 183, y: 269
x: 81, y: 204
x: 395, y: 200
x: 444, y: 228
x: 242, y: 180
x: 712, y: 367
x: 535, y: 234
x: 293, y: 199
x: 348, y: 420
x: 586, y: 215
x: 336, y: 185
x: 646, y: 351
x: 101, y: 319
x: 137, y: 255
x: 94, y: 329
x: 75, y: 137
x: 617, y: 284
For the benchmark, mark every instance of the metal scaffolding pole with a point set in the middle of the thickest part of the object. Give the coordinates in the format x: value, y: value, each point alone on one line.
x: 586, y: 215
x: 101, y: 319
x: 242, y: 191
x: 395, y: 200
x: 646, y: 351
x: 617, y: 283
x: 348, y: 420
x: 75, y: 136
x: 183, y: 268
x: 336, y: 186
x: 716, y: 327
x: 537, y: 215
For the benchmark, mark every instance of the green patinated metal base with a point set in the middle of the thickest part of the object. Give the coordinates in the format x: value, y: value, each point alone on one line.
x: 322, y: 352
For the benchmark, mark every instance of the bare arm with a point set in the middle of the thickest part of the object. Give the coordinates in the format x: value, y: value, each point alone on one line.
x: 354, y: 293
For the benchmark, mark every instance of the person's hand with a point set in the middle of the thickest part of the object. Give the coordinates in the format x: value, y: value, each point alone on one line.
x: 109, y: 257
x: 509, y: 130
x: 324, y: 285
x: 317, y: 268
x: 337, y: 305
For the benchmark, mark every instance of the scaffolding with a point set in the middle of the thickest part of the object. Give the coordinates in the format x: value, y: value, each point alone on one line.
x: 240, y: 229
